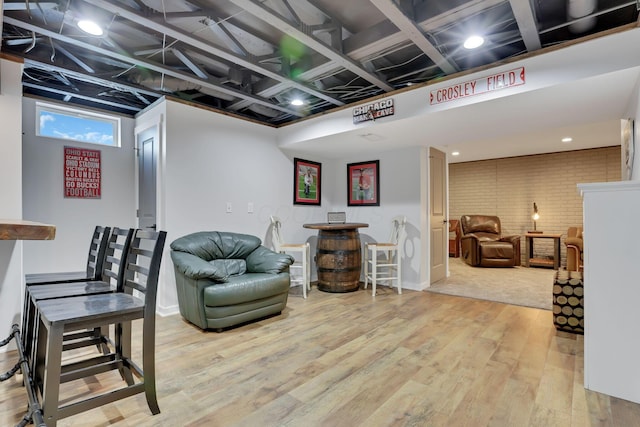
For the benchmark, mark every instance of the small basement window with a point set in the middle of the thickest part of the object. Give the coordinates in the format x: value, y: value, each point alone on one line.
x: 77, y: 125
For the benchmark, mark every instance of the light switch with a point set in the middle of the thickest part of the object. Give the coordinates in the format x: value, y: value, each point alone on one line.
x: 250, y: 207
x: 228, y: 207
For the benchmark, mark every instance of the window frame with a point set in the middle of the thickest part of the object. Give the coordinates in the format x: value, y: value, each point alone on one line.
x: 78, y: 113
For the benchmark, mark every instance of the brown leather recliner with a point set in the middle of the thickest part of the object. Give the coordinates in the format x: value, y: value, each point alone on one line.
x: 483, y: 244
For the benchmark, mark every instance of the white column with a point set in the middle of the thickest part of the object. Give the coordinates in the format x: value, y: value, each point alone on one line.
x: 611, y: 288
x: 10, y: 193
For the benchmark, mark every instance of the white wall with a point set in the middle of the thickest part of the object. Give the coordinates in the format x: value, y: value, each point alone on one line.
x: 10, y: 194
x: 211, y: 159
x: 224, y: 160
x: 75, y: 219
x: 400, y: 188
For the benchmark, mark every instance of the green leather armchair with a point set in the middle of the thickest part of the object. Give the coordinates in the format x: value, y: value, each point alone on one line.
x: 225, y: 279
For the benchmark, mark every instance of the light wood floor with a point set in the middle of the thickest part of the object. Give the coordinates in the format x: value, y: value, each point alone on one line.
x: 416, y: 359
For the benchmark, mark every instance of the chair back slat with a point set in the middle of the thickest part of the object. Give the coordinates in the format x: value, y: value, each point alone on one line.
x: 276, y: 233
x: 144, y: 252
x: 398, y: 230
x: 97, y: 251
x: 139, y: 269
x: 142, y: 267
x: 108, y: 274
x: 133, y: 285
x: 117, y: 250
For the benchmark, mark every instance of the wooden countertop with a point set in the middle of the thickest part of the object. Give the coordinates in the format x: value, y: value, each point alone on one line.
x: 335, y: 226
x: 19, y: 229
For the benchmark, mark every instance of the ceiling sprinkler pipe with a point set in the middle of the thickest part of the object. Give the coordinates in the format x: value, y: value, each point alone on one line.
x: 578, y: 9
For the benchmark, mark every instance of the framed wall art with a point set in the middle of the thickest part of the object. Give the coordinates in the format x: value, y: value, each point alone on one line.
x: 306, y: 182
x: 363, y: 183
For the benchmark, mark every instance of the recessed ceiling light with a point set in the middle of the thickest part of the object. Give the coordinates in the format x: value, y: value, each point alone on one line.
x: 90, y: 27
x: 297, y: 102
x: 455, y: 153
x: 473, y: 42
x: 567, y: 139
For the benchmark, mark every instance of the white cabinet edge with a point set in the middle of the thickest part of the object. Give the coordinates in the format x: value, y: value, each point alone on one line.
x: 609, y: 186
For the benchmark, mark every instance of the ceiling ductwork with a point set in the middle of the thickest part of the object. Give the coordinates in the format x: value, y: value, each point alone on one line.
x: 172, y: 84
x: 577, y: 9
x: 264, y: 111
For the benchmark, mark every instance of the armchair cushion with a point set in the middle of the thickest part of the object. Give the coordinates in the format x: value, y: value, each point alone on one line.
x: 217, y: 270
x: 210, y: 245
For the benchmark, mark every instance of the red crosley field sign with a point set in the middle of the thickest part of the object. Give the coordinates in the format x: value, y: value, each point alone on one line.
x: 82, y: 173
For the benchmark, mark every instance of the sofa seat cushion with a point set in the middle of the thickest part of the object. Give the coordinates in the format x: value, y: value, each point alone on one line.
x: 247, y: 287
x: 497, y: 250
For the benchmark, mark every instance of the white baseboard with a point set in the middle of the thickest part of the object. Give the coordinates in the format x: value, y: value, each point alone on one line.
x: 168, y: 311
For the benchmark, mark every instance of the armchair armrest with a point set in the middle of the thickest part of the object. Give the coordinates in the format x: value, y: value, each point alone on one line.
x: 469, y: 236
x: 264, y: 260
x: 469, y: 249
x: 574, y: 241
x: 512, y: 239
x: 196, y: 268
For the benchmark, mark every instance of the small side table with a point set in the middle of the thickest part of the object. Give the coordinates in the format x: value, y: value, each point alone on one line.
x: 531, y: 261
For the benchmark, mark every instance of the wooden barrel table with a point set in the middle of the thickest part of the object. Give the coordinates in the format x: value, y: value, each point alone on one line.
x: 338, y: 256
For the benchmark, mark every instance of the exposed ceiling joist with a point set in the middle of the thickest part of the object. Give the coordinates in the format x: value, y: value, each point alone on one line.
x: 260, y: 11
x: 231, y: 54
x: 527, y: 24
x: 29, y: 63
x: 207, y: 47
x: 413, y: 33
x: 70, y: 94
x: 152, y: 66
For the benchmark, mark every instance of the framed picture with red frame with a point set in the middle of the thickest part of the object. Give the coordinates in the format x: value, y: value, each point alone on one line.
x: 306, y: 182
x: 363, y: 183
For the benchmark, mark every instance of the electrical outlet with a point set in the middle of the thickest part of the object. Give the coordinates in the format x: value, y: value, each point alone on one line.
x: 229, y: 208
x: 250, y: 207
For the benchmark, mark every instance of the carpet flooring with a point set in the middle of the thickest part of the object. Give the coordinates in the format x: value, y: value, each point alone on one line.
x: 529, y: 287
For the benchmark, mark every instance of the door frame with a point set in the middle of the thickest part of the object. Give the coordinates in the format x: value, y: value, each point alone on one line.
x: 425, y: 221
x: 142, y: 132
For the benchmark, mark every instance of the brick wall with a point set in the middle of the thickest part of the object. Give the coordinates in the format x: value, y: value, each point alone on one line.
x: 508, y: 187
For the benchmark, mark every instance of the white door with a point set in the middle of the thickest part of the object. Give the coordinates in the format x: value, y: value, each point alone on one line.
x: 438, y: 227
x: 147, y: 183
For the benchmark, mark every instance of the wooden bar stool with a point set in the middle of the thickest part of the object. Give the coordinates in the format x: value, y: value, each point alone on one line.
x: 111, y: 274
x: 389, y: 267
x: 304, y: 260
x: 60, y: 316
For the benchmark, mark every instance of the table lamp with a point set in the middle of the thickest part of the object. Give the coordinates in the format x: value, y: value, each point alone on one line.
x: 535, y: 218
